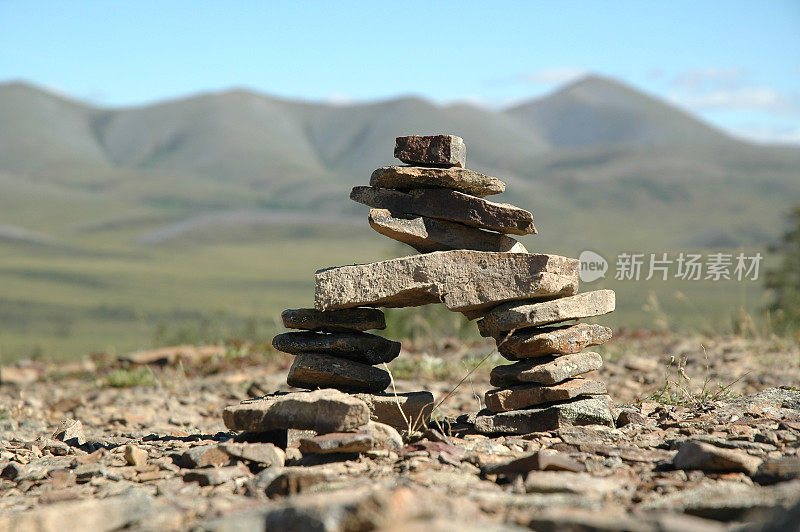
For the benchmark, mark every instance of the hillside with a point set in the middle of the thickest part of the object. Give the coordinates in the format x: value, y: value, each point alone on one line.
x: 117, y: 223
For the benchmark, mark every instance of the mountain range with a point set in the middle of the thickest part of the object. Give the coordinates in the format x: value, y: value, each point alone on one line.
x: 588, y: 159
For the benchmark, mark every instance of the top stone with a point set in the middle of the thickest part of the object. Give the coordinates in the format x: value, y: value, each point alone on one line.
x: 431, y: 150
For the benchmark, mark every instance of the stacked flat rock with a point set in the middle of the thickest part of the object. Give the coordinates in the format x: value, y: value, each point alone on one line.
x: 545, y: 388
x: 469, y: 262
x: 333, y: 351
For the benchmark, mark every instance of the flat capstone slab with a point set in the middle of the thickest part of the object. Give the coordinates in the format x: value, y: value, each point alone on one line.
x: 461, y: 279
x: 345, y: 320
x: 431, y: 150
x: 356, y: 346
x: 321, y: 411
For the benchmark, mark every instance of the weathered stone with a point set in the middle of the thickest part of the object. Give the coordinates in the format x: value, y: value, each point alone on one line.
x: 707, y: 457
x: 337, y: 442
x: 545, y: 370
x: 629, y: 417
x: 321, y: 411
x: 519, y: 397
x: 593, y: 410
x: 544, y: 460
x: 429, y: 234
x: 460, y: 179
x: 384, y: 436
x: 345, y: 320
x: 70, y: 431
x: 536, y: 342
x: 260, y: 453
x: 775, y: 470
x: 449, y: 205
x: 313, y: 371
x: 213, y: 476
x: 436, y: 150
x: 204, y: 456
x: 134, y: 455
x: 462, y: 280
x: 400, y: 411
x: 518, y: 315
x: 357, y: 346
x: 112, y: 513
x: 571, y: 482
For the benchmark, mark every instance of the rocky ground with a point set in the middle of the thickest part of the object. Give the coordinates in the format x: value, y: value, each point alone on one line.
x: 707, y: 438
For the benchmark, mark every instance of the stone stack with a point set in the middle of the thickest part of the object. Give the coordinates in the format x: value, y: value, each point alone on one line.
x: 544, y: 389
x: 469, y: 262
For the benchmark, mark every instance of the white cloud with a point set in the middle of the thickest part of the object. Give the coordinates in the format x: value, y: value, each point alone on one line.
x: 554, y: 76
x: 758, y: 98
x: 338, y: 98
x: 705, y: 78
x: 768, y: 133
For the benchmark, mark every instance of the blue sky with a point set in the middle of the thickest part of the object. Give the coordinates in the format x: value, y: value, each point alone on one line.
x: 734, y: 63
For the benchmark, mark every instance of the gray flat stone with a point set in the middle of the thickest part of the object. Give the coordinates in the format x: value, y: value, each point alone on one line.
x: 429, y: 234
x: 463, y: 280
x: 311, y: 371
x: 345, y: 320
x: 536, y: 342
x: 449, y: 205
x: 592, y: 410
x: 527, y: 395
x: 337, y: 442
x: 400, y: 410
x: 545, y: 370
x: 707, y: 457
x: 357, y: 346
x: 519, y: 315
x: 321, y: 411
x: 460, y: 179
x: 436, y: 150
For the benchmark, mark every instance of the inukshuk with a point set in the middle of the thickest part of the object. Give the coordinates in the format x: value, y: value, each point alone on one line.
x: 468, y: 262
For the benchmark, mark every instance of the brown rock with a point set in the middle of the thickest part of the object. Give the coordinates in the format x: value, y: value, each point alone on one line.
x: 337, y: 442
x: 321, y: 411
x: 460, y: 179
x: 544, y: 460
x: 629, y: 417
x: 70, y: 431
x: 536, y: 342
x: 707, y: 457
x: 462, y: 280
x: 401, y: 410
x: 357, y: 346
x: 545, y: 370
x: 204, y: 456
x: 570, y: 482
x: 434, y: 150
x: 134, y: 455
x: 312, y: 371
x: 524, y: 396
x: 592, y: 410
x: 345, y: 320
x: 449, y: 205
x: 213, y: 476
x: 429, y: 234
x: 519, y: 315
x: 260, y: 453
